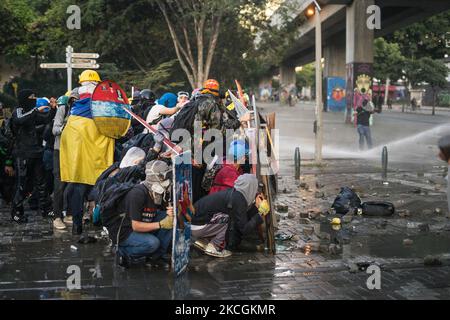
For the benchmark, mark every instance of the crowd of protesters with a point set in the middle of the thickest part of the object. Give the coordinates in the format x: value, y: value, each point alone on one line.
x: 56, y: 162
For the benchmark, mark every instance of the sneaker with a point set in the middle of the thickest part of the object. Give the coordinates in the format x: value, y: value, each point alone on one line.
x: 211, y: 250
x: 59, y: 224
x: 68, y: 220
x: 201, y: 244
x: 19, y: 218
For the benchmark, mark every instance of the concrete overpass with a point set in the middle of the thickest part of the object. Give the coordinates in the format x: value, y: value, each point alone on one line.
x: 346, y: 39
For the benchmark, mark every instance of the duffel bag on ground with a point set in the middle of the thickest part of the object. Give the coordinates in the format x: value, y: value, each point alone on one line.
x: 378, y: 208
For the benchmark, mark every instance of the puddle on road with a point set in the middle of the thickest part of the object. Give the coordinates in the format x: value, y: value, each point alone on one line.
x: 391, y: 246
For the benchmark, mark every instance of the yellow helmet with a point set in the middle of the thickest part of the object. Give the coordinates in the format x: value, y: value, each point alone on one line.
x: 89, y: 75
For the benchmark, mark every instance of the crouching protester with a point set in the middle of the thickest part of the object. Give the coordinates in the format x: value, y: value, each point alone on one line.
x: 138, y: 225
x: 223, y: 217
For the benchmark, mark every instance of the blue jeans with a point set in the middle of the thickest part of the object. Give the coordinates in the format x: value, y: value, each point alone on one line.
x: 155, y: 244
x: 364, y: 132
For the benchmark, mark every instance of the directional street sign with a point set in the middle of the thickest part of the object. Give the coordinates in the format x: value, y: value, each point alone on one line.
x: 89, y: 61
x: 85, y: 66
x: 74, y: 60
x: 85, y: 55
x: 54, y: 65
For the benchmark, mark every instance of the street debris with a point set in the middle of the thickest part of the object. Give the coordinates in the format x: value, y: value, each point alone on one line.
x: 319, y: 195
x: 432, y: 261
x: 404, y: 213
x: 407, y: 242
x: 282, y: 208
x: 283, y: 236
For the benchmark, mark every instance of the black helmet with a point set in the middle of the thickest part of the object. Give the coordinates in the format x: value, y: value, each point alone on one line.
x: 147, y: 94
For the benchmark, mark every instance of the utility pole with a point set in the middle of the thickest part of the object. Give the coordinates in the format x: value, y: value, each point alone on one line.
x: 319, y: 107
x: 69, y: 51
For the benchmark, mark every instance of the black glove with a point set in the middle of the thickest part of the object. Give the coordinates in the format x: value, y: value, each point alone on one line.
x: 151, y: 155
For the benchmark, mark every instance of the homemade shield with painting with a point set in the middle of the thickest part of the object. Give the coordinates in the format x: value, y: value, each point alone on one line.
x: 183, y: 211
x: 108, y: 101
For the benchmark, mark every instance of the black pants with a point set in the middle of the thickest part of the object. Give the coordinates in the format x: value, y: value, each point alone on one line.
x: 29, y: 174
x: 6, y: 186
x: 59, y: 186
x: 76, y: 194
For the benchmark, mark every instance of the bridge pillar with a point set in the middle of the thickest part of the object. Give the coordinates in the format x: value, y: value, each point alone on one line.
x: 288, y: 79
x: 359, y: 56
x: 334, y: 55
x: 333, y: 93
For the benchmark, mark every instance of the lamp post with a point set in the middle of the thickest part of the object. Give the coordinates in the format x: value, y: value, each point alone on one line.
x: 315, y: 11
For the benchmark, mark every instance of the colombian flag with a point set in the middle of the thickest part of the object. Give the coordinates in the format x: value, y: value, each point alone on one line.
x: 84, y: 152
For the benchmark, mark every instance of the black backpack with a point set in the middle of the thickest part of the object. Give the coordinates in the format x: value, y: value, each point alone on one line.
x: 346, y: 200
x: 186, y: 117
x: 108, y: 191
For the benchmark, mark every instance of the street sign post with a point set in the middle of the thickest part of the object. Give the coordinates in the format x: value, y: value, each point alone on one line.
x: 74, y: 60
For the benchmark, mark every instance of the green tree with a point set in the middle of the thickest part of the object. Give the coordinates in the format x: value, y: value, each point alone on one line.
x: 434, y: 72
x: 424, y: 39
x: 306, y: 77
x: 388, y: 60
x: 195, y: 26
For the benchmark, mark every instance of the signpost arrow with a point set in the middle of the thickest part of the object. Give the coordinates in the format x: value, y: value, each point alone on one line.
x: 85, y: 66
x: 90, y: 61
x: 54, y: 65
x: 85, y: 55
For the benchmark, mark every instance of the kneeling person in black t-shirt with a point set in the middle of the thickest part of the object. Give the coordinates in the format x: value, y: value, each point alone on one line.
x: 145, y: 229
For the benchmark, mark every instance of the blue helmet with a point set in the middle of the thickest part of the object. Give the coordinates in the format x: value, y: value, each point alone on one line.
x: 238, y: 149
x: 43, y: 102
x: 168, y: 100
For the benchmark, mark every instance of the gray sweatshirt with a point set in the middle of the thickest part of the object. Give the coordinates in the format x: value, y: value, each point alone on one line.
x: 247, y: 184
x: 58, y: 125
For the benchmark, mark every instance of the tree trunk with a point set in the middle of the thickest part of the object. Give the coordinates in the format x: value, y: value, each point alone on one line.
x: 386, y: 91
x: 433, y: 112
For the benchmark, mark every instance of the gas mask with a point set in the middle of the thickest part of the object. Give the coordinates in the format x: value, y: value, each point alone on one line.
x: 158, y: 180
x: 159, y: 191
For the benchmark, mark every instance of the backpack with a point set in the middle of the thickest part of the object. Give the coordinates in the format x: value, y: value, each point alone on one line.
x: 109, y: 198
x: 209, y: 176
x: 141, y: 140
x: 108, y: 191
x: 186, y: 117
x: 346, y: 200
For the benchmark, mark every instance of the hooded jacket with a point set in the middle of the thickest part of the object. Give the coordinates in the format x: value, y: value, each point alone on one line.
x: 233, y: 202
x: 25, y: 119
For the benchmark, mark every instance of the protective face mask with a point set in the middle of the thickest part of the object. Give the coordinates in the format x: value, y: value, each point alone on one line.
x: 158, y: 188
